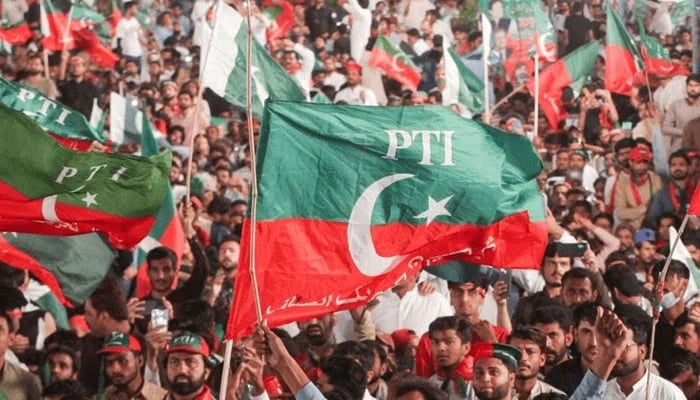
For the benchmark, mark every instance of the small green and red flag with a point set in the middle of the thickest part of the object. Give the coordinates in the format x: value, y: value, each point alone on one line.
x: 361, y: 199
x: 51, y: 190
x: 16, y: 34
x: 571, y: 71
x: 395, y: 63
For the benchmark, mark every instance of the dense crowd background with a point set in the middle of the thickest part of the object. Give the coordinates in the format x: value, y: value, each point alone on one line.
x: 619, y: 175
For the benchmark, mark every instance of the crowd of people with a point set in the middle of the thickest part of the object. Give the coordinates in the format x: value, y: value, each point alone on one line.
x: 619, y: 174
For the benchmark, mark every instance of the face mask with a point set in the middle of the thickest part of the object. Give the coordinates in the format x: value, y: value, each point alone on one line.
x: 669, y: 300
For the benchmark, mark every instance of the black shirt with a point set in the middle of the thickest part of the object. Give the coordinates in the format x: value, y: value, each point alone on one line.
x: 566, y: 376
x: 78, y: 95
x: 578, y: 27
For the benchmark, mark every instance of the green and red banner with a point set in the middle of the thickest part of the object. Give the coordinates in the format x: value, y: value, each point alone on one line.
x: 54, y: 26
x: 16, y: 34
x: 358, y: 200
x: 656, y: 58
x: 394, y: 63
x: 571, y: 71
x: 72, y: 266
x: 51, y: 190
x: 281, y: 15
x: 624, y: 60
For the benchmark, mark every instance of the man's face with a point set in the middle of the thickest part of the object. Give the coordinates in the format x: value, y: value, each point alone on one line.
x: 577, y: 162
x: 228, y: 254
x: 626, y: 239
x: 448, y: 349
x: 664, y: 228
x: 631, y: 358
x: 496, y: 10
x: 563, y: 161
x: 639, y: 168
x: 35, y: 66
x: 185, y: 101
x: 585, y: 341
x: 693, y: 89
x: 61, y: 367
x: 492, y: 380
x: 532, y: 358
x: 694, y: 252
x: 467, y: 299
x: 329, y: 64
x: 647, y: 252
x: 161, y: 274
x: 186, y: 372
x: 354, y: 78
x: 560, y: 195
x: 623, y: 157
x: 77, y: 67
x: 679, y: 168
x: 317, y: 331
x: 500, y: 40
x: 553, y: 268
x: 122, y: 368
x: 687, y: 338
x: 687, y: 381
x: 577, y: 291
x: 558, y: 341
x: 92, y: 317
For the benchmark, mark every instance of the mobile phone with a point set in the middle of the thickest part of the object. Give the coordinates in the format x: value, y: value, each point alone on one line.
x: 150, y: 305
x: 159, y: 317
x: 571, y: 249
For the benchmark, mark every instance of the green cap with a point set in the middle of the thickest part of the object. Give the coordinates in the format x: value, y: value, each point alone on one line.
x: 118, y: 342
x: 506, y: 353
x: 189, y: 342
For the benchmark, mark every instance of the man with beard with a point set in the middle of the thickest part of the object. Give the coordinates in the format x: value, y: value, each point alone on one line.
x: 682, y: 367
x: 188, y: 367
x: 673, y: 301
x: 354, y: 93
x: 531, y: 343
x: 680, y: 112
x: 569, y: 374
x: 633, y: 194
x: 222, y: 288
x: 35, y: 77
x: 629, y: 371
x: 316, y: 341
x: 579, y: 285
x: 494, y: 370
x: 77, y: 91
x: 162, y: 269
x: 123, y: 360
x: 675, y: 196
x: 579, y: 162
x: 622, y: 148
x: 556, y: 324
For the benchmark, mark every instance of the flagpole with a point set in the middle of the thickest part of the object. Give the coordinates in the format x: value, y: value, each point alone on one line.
x: 506, y: 98
x: 658, y: 295
x: 253, y: 192
x: 485, y: 45
x: 66, y: 31
x: 537, y: 91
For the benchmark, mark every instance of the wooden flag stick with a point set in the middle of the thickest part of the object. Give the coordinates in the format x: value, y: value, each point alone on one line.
x: 659, y: 294
x: 537, y: 91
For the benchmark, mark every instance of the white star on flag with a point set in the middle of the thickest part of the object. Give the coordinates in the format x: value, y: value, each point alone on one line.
x: 89, y: 199
x: 435, y: 209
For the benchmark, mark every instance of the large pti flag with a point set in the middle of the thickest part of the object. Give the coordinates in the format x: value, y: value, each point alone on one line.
x: 51, y: 190
x: 571, y: 71
x: 358, y: 197
x: 224, y: 68
x: 622, y: 56
x: 395, y: 63
x: 656, y: 57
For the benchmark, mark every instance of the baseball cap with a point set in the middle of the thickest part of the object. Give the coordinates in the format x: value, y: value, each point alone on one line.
x: 640, y: 154
x: 506, y: 353
x: 189, y: 342
x: 645, y: 235
x: 118, y: 342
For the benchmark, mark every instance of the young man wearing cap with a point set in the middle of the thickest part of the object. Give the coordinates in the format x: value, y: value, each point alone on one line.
x: 680, y: 112
x: 494, y: 371
x: 188, y: 367
x: 675, y: 196
x: 354, y: 93
x: 123, y: 359
x: 633, y: 194
x: 531, y: 343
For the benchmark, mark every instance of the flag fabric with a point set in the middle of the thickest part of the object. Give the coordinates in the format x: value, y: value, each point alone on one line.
x: 545, y: 36
x: 89, y: 41
x: 167, y: 230
x: 463, y: 86
x: 358, y: 197
x: 281, y: 14
x: 694, y: 208
x: 682, y: 254
x: 48, y: 189
x: 125, y: 119
x: 622, y: 56
x: 72, y: 266
x: 62, y: 121
x: 571, y: 71
x: 17, y: 34
x: 54, y: 26
x: 224, y: 69
x: 656, y: 58
x: 83, y: 13
x: 395, y: 63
